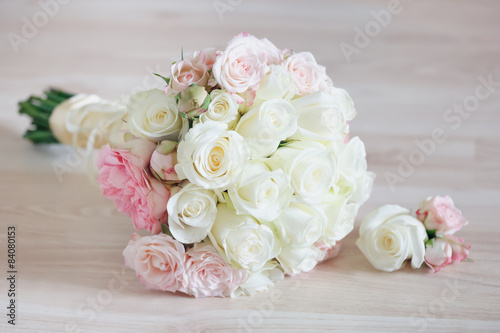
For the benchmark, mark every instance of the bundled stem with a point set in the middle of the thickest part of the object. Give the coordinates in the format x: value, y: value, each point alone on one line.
x: 39, y: 110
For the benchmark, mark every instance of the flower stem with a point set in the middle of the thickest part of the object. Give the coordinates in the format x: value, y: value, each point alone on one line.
x: 39, y: 110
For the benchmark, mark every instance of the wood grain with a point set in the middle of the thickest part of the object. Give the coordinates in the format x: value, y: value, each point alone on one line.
x: 428, y: 58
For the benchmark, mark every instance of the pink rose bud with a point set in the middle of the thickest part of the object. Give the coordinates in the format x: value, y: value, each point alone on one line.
x: 459, y: 248
x: 163, y: 161
x: 438, y: 254
x: 441, y: 252
x: 189, y: 71
x: 440, y: 214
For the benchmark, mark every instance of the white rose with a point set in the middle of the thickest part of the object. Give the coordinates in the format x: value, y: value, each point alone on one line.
x: 260, y: 280
x: 154, y: 116
x: 364, y: 187
x: 300, y: 225
x: 222, y: 108
x: 389, y: 236
x: 241, y: 240
x: 320, y: 118
x: 260, y: 192
x: 265, y: 125
x: 300, y: 259
x: 277, y: 83
x: 340, y: 217
x: 344, y: 102
x: 191, y: 213
x: 298, y: 228
x: 311, y: 168
x: 354, y: 179
x: 211, y: 156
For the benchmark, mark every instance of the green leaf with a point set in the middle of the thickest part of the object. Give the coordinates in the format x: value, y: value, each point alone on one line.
x: 182, y: 53
x: 167, y: 79
x: 431, y: 233
x: 286, y: 143
x: 429, y: 242
x: 166, y: 230
x: 229, y: 203
x: 206, y: 102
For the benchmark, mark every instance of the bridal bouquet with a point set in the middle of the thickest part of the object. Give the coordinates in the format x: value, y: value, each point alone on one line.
x: 241, y: 168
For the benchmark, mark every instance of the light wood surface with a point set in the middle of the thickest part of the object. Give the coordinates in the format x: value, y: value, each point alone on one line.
x: 70, y: 238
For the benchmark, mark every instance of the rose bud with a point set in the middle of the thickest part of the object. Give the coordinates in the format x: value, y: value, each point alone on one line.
x: 163, y: 161
x: 193, y: 101
x: 440, y: 252
x: 459, y: 248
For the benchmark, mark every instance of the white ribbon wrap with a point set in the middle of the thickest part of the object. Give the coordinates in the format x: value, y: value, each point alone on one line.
x: 88, y: 122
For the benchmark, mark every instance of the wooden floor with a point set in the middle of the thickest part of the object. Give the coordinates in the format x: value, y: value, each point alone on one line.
x: 404, y: 76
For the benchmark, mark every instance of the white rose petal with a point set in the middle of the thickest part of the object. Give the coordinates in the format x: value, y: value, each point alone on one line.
x: 340, y: 215
x: 260, y: 280
x: 277, y: 83
x: 154, y: 116
x: 311, y: 168
x: 389, y: 236
x: 301, y: 259
x: 300, y: 225
x: 191, y: 213
x: 222, y: 108
x: 211, y: 156
x: 265, y: 125
x: 260, y: 192
x: 344, y: 101
x: 320, y: 118
x: 364, y: 187
x: 242, y: 240
x: 355, y: 181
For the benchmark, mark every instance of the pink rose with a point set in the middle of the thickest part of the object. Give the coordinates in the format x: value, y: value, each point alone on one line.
x: 123, y: 178
x: 208, y: 274
x: 438, y: 255
x: 440, y: 214
x: 189, y: 71
x: 329, y: 252
x: 308, y: 76
x: 207, y: 56
x: 443, y: 251
x: 272, y: 53
x: 243, y: 64
x: 163, y: 161
x: 459, y: 249
x: 158, y: 261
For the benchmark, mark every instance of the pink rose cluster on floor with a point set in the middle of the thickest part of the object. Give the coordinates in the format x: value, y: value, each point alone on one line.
x: 241, y: 168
